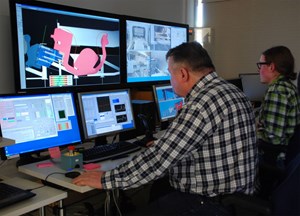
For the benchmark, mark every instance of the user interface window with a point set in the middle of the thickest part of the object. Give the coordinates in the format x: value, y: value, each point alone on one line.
x: 38, y: 122
x: 106, y: 112
x: 147, y: 45
x: 168, y: 102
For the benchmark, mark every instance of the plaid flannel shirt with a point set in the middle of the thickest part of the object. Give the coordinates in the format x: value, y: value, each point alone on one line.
x: 209, y: 149
x: 280, y: 112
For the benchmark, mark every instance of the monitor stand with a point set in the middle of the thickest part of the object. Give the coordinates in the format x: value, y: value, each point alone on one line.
x: 28, y: 158
x: 164, y: 125
x: 100, y: 141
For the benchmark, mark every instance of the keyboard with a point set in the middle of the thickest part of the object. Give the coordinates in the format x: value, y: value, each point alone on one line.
x: 109, y: 151
x: 10, y: 194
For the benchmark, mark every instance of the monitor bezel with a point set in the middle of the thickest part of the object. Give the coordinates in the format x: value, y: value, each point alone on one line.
x: 26, y: 154
x: 56, y: 6
x: 84, y: 133
x: 124, y: 78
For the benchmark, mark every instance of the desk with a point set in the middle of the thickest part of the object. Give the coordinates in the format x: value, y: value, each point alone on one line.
x: 61, y: 180
x: 58, y: 176
x: 44, y: 196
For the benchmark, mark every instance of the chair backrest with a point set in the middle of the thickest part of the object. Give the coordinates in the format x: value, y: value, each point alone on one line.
x: 285, y: 198
x: 293, y: 148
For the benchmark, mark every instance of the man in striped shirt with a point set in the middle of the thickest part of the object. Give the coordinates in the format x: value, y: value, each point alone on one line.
x: 209, y: 149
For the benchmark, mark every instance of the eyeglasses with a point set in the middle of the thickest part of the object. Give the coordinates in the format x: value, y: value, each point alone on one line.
x: 259, y: 64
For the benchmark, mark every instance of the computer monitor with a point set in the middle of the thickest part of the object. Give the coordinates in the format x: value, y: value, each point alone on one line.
x: 168, y: 103
x: 147, y: 42
x: 105, y: 113
x: 252, y: 87
x: 237, y: 82
x: 58, y: 46
x: 37, y: 122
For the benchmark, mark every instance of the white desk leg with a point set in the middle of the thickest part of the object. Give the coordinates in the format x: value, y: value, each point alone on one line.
x: 42, y: 211
x: 61, y: 210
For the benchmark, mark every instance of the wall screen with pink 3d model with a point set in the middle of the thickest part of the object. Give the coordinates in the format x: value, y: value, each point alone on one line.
x: 62, y: 47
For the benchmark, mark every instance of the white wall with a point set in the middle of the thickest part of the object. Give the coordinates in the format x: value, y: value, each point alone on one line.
x: 168, y: 10
x: 245, y: 28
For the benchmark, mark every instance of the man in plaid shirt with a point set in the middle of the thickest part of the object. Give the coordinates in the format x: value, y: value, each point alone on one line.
x: 208, y: 150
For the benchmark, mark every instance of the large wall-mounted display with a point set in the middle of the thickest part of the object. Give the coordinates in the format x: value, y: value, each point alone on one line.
x: 59, y: 47
x: 147, y: 42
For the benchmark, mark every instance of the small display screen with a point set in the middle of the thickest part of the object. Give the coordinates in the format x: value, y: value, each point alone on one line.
x: 168, y: 103
x: 105, y: 112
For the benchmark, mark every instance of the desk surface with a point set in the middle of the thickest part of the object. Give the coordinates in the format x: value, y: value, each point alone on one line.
x: 44, y: 196
x: 55, y: 174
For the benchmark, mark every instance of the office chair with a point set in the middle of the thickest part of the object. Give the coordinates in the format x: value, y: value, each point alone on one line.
x: 285, y: 198
x: 293, y: 149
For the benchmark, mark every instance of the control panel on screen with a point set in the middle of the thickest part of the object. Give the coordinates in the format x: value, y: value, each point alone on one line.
x: 105, y: 112
x: 38, y: 121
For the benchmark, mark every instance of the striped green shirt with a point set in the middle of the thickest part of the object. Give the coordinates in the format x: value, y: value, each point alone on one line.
x: 280, y: 112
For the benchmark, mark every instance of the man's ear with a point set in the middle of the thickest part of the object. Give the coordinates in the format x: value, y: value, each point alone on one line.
x: 272, y: 66
x: 184, y: 74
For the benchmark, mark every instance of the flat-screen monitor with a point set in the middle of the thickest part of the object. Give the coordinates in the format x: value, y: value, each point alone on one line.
x: 237, y: 82
x: 105, y: 112
x: 38, y: 121
x: 252, y: 87
x: 168, y: 103
x: 57, y: 46
x: 147, y: 42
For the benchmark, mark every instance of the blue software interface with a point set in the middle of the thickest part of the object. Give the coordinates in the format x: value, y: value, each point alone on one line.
x: 38, y: 122
x: 168, y: 102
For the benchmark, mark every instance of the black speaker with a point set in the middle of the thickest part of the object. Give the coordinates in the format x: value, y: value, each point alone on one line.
x: 148, y: 110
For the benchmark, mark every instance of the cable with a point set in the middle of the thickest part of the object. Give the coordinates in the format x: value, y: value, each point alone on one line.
x: 52, y: 174
x: 106, y: 203
x: 3, y: 163
x: 35, y: 188
x: 115, y: 201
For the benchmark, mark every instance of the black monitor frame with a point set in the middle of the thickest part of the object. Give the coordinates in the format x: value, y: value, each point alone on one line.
x: 158, y: 24
x: 44, y: 36
x: 100, y: 138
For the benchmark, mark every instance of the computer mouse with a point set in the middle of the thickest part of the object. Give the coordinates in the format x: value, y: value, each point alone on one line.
x: 72, y: 174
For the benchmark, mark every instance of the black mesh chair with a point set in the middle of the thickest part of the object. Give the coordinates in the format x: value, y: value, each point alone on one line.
x: 285, y: 198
